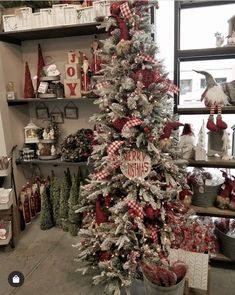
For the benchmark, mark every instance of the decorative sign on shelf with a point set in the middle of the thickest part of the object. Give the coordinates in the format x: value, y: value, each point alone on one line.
x: 136, y: 164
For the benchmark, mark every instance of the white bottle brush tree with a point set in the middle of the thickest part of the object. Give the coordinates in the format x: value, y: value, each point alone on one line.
x: 130, y: 205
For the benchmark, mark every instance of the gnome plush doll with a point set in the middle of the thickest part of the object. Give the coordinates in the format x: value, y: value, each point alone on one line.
x: 187, y: 141
x: 214, y: 98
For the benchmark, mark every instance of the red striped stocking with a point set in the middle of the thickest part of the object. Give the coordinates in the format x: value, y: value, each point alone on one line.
x: 210, y: 123
x: 219, y: 122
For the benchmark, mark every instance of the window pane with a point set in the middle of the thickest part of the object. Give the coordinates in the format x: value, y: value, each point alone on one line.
x: 193, y: 84
x: 199, y: 25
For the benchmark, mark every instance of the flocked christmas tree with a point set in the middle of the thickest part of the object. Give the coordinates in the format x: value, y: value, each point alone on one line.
x: 74, y: 217
x: 131, y: 205
x: 46, y: 217
x: 55, y: 197
x: 64, y: 199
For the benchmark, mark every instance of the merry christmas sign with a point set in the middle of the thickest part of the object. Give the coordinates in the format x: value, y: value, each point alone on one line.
x: 136, y: 164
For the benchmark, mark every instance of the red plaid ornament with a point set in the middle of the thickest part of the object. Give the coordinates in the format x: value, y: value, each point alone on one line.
x: 170, y: 86
x: 131, y: 123
x: 114, y: 146
x: 101, y: 85
x: 135, y: 209
x: 102, y: 175
x: 125, y: 10
x: 152, y: 231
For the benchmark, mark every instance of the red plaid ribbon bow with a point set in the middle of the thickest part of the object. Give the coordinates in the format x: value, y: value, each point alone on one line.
x: 152, y: 231
x: 102, y: 175
x: 114, y: 146
x: 170, y: 86
x: 147, y: 57
x: 135, y: 209
x: 125, y: 10
x: 101, y: 85
x: 131, y: 123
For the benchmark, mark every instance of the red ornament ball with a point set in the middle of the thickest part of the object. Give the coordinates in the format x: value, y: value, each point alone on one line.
x: 146, y: 130
x: 104, y: 255
x: 115, y: 7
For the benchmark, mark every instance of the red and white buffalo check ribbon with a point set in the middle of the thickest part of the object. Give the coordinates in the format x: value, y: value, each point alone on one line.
x: 102, y: 175
x: 114, y: 146
x: 152, y: 231
x: 114, y: 161
x: 131, y: 123
x: 136, y: 209
x: 101, y: 85
x: 170, y: 86
x: 125, y: 10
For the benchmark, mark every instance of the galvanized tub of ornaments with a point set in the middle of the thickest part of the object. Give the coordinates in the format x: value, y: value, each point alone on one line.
x: 162, y: 280
x: 224, y: 230
x: 205, y: 186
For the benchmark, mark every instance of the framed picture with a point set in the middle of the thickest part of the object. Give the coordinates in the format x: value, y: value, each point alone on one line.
x: 57, y: 116
x: 42, y: 111
x: 71, y: 111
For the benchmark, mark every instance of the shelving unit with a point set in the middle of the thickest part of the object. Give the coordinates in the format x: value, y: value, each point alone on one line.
x: 22, y: 101
x: 55, y: 162
x: 51, y: 32
x: 204, y: 54
x: 213, y: 211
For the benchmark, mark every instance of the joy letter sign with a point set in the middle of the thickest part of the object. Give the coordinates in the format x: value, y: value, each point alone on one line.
x: 136, y: 164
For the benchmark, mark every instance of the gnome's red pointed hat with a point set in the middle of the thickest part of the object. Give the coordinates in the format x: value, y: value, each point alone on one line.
x: 187, y: 130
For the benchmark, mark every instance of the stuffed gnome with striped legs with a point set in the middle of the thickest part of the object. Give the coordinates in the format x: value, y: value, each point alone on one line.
x: 214, y: 98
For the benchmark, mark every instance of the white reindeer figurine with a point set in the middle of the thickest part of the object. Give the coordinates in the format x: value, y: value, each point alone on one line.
x: 219, y: 39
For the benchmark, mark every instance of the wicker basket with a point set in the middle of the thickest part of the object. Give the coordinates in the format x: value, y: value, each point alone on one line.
x: 227, y: 244
x: 229, y: 89
x: 205, y: 196
x: 153, y: 289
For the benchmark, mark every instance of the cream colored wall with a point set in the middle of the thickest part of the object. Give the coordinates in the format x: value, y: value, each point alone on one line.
x: 14, y: 118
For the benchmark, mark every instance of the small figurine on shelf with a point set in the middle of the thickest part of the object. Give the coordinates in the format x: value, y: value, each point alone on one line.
x: 51, y: 134
x: 11, y: 94
x: 45, y: 134
x: 219, y: 39
x: 226, y: 146
x: 95, y: 47
x: 85, y: 70
x: 199, y: 150
x: 51, y: 71
x: 53, y: 150
x: 187, y: 141
x: 214, y: 98
x: 231, y: 39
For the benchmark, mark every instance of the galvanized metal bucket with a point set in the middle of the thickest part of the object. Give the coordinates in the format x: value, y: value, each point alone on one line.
x: 152, y: 289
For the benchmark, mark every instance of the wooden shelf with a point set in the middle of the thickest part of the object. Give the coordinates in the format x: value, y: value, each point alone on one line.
x: 220, y: 257
x: 213, y: 211
x: 22, y: 101
x: 17, y: 37
x: 56, y: 162
x: 203, y: 110
x: 206, y: 53
x: 196, y: 3
x: 213, y: 163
